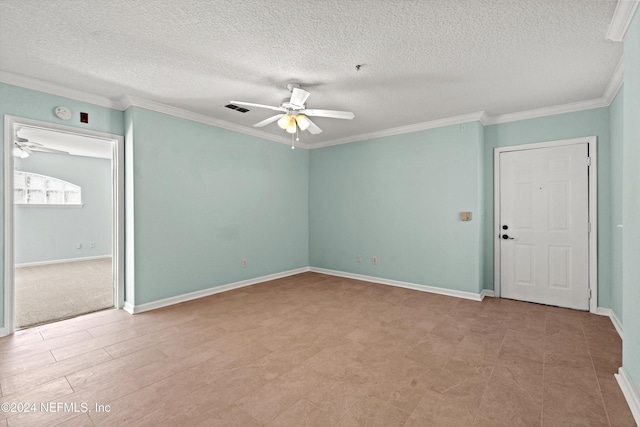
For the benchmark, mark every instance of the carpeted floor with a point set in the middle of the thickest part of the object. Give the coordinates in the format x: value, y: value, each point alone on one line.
x: 58, y: 291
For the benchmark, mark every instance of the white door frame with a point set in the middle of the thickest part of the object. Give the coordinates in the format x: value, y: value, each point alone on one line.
x: 593, y: 210
x: 117, y: 176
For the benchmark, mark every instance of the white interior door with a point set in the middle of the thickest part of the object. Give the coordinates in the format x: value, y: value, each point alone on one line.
x: 544, y: 225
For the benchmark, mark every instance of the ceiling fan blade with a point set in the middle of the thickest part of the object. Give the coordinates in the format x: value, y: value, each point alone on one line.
x: 298, y: 97
x: 48, y: 150
x: 251, y: 104
x: 347, y: 115
x: 267, y: 121
x: 313, y: 128
x: 32, y: 144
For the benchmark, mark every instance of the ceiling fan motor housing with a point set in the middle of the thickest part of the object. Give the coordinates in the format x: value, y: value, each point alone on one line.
x: 292, y: 86
x: 289, y: 106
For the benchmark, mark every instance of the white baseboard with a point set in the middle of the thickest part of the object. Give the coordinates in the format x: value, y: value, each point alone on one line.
x: 129, y: 308
x: 3, y: 332
x: 135, y: 309
x: 616, y: 323
x: 603, y: 311
x: 407, y: 285
x: 61, y: 261
x: 631, y: 393
x: 487, y: 293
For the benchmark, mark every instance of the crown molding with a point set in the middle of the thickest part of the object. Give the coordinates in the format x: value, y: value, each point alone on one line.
x: 134, y: 101
x: 548, y: 111
x: 447, y: 121
x: 622, y: 16
x: 484, y: 118
x: 128, y: 100
x: 615, y: 83
x: 55, y: 89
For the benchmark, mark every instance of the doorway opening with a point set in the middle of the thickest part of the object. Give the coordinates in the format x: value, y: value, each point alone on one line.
x: 545, y: 225
x: 64, y: 222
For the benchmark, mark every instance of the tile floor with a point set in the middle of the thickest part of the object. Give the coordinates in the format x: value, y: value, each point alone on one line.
x: 316, y: 350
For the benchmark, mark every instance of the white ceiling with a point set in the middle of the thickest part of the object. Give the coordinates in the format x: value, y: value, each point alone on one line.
x: 422, y: 60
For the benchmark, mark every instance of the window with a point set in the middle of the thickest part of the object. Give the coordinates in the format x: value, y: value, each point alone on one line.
x: 36, y: 189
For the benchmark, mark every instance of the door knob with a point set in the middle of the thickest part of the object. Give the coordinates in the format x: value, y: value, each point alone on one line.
x: 505, y: 237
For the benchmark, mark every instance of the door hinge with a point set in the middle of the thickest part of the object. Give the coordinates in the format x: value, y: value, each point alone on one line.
x: 589, y: 227
x: 589, y: 293
x: 588, y: 161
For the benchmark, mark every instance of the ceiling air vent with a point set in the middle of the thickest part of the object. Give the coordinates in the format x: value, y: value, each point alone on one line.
x: 235, y: 107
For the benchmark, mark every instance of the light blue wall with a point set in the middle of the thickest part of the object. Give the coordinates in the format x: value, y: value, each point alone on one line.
x: 51, y: 233
x: 616, y: 120
x: 26, y: 103
x: 399, y: 198
x: 365, y: 199
x: 205, y: 198
x: 631, y: 205
x: 562, y: 126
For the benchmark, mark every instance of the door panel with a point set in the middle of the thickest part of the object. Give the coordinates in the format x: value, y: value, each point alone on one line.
x: 523, y: 206
x: 559, y: 267
x: 524, y: 267
x: 559, y: 208
x: 544, y: 197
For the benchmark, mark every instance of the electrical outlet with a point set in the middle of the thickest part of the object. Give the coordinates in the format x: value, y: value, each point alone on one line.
x: 78, y: 245
x: 245, y: 263
x: 92, y: 244
x: 374, y: 260
x: 358, y: 258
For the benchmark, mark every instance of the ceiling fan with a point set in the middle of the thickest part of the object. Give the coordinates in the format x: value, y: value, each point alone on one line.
x: 22, y: 148
x: 293, y: 113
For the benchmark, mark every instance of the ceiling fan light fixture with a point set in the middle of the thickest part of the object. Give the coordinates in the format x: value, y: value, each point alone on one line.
x: 20, y: 152
x: 293, y: 115
x: 302, y: 121
x: 23, y: 153
x: 285, y: 121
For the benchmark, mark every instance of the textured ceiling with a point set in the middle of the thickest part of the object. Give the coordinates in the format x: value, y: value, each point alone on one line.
x: 422, y: 60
